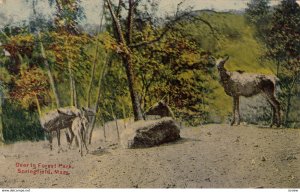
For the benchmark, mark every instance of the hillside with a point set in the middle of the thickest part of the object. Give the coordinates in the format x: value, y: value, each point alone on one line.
x: 235, y: 37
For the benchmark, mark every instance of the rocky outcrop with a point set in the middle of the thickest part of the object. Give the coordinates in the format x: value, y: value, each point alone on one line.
x: 150, y: 133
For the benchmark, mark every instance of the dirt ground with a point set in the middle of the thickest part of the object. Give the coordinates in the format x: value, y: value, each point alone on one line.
x: 210, y: 156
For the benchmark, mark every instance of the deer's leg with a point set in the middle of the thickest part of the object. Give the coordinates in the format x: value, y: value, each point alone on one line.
x: 72, y: 136
x: 50, y: 137
x: 273, y: 114
x: 276, y: 105
x: 76, y: 140
x: 266, y: 95
x: 58, y: 136
x: 275, y: 108
x: 83, y: 141
x: 233, y: 111
x: 80, y: 142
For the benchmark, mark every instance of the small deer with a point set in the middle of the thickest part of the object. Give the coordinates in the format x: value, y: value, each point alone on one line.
x: 160, y: 109
x: 79, y: 129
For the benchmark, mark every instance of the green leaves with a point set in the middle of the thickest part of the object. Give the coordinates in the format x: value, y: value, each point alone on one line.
x: 63, y: 48
x: 29, y: 84
x: 169, y: 69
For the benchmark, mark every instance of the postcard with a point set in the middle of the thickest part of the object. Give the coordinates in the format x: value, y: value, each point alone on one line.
x: 193, y: 94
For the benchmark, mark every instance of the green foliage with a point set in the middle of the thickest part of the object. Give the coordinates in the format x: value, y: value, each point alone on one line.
x: 258, y: 13
x: 69, y: 55
x: 283, y: 44
x: 20, y: 124
x: 67, y: 16
x: 174, y: 70
x: 115, y: 97
x: 29, y: 86
x: 64, y: 48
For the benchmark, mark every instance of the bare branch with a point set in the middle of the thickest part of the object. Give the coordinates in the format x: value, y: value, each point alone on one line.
x: 116, y: 22
x: 171, y: 24
x: 59, y: 6
x: 119, y: 8
x: 136, y: 2
x: 208, y: 24
x: 168, y: 27
x: 130, y: 21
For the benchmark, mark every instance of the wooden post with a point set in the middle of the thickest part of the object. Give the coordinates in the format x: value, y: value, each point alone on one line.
x: 116, y: 120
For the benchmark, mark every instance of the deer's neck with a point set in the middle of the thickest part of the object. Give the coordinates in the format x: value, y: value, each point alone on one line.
x: 224, y: 75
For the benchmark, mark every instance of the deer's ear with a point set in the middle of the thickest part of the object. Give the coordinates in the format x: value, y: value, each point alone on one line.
x: 162, y: 102
x: 226, y: 57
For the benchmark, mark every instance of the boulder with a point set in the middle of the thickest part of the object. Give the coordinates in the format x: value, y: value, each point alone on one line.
x: 150, y: 133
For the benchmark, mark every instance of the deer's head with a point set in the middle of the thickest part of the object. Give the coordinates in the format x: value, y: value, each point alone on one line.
x: 156, y: 108
x: 221, y: 61
x: 84, y: 122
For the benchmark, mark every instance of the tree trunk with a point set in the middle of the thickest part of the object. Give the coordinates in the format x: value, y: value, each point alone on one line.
x: 73, y: 96
x: 132, y: 88
x: 277, y: 68
x: 38, y: 105
x: 288, y: 109
x: 50, y: 76
x: 116, y: 120
x: 71, y: 85
x: 92, y: 79
x: 102, y: 74
x: 104, y: 131
x: 75, y: 93
x: 95, y: 59
x: 34, y: 7
x: 127, y: 57
x: 289, y: 97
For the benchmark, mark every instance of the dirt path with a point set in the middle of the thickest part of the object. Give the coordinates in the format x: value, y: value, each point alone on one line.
x: 208, y: 156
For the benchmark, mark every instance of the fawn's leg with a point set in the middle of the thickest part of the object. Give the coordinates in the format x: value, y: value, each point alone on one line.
x: 233, y: 111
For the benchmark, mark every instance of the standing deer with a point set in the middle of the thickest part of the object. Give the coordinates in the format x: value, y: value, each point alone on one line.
x: 62, y: 118
x: 239, y: 83
x: 58, y: 119
x: 79, y: 129
x: 160, y: 109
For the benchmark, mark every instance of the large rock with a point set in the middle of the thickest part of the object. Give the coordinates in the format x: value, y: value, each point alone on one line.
x: 150, y: 133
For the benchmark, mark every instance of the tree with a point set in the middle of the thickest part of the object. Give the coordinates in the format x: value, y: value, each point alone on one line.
x: 25, y: 83
x: 37, y: 24
x: 49, y: 72
x: 283, y: 41
x: 258, y: 13
x: 68, y: 55
x: 31, y: 85
x: 124, y: 40
x: 68, y: 13
x: 125, y: 28
x: 174, y: 69
x: 96, y: 59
